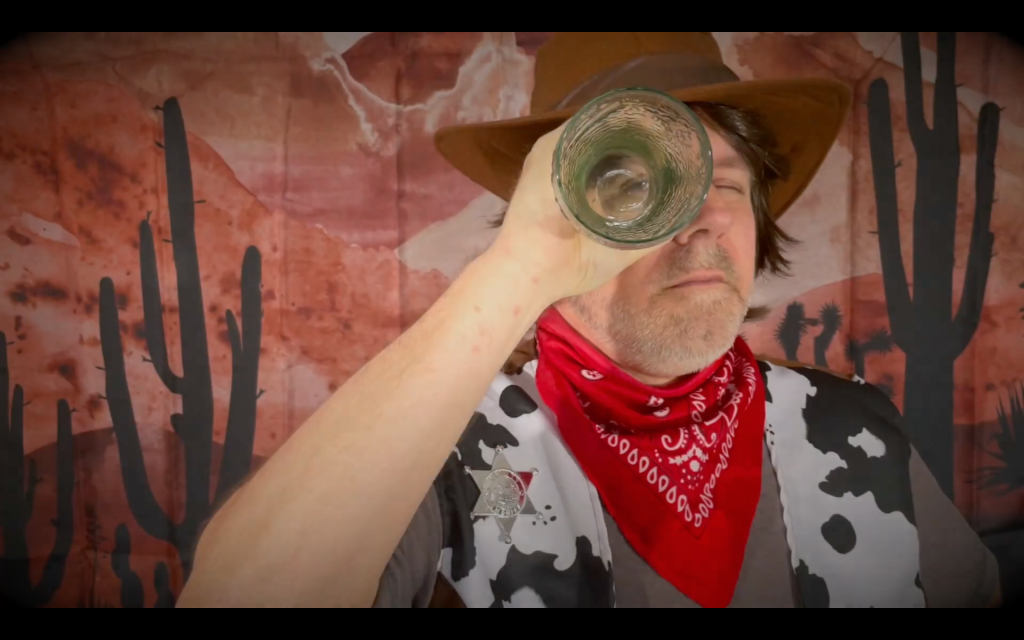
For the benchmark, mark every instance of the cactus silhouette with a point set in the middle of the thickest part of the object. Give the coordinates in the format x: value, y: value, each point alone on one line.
x: 831, y: 319
x: 94, y: 539
x: 132, y: 593
x: 162, y: 583
x: 858, y: 351
x: 1009, y: 474
x: 791, y: 330
x: 194, y: 425
x: 16, y: 500
x: 921, y: 324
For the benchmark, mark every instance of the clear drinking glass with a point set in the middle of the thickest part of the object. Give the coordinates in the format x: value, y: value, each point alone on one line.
x: 632, y: 168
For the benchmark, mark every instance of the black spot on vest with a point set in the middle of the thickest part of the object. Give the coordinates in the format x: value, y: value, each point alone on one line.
x: 813, y: 589
x: 482, y: 431
x: 839, y: 533
x: 515, y: 402
x: 586, y: 584
x: 840, y: 410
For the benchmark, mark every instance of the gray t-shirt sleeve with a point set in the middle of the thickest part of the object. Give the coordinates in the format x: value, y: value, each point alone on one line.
x: 410, y: 575
x: 957, y: 569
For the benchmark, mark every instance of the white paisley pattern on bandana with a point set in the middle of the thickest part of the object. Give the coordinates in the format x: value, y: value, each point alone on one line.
x: 684, y: 465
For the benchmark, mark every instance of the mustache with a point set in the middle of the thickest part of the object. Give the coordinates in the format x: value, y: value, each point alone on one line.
x: 690, y: 259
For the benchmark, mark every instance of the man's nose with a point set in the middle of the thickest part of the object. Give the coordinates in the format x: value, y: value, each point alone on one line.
x: 712, y: 222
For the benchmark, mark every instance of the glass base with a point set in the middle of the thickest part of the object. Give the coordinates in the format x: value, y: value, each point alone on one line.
x: 632, y: 168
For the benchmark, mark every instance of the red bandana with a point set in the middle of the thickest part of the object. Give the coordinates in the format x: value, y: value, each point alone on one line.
x: 678, y: 468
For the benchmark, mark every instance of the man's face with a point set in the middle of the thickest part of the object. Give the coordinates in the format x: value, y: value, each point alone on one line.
x: 678, y: 309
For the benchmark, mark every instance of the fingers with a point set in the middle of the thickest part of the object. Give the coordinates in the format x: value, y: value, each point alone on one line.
x: 534, y: 185
x: 544, y: 149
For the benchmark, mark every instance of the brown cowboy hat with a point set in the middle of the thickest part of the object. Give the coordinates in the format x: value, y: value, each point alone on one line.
x: 572, y: 68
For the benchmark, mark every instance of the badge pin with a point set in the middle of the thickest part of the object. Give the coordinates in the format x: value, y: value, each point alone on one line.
x: 503, y: 494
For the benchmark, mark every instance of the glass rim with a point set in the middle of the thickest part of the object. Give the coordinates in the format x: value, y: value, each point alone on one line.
x: 556, y: 166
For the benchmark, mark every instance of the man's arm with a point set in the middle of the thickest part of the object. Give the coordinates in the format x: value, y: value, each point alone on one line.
x: 957, y: 569
x: 319, y: 521
x: 317, y: 524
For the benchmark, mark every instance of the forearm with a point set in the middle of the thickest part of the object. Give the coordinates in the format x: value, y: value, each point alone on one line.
x: 317, y: 524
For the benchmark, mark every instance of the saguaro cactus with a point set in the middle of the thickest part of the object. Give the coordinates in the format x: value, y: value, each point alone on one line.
x: 920, y: 322
x: 194, y: 425
x: 16, y: 499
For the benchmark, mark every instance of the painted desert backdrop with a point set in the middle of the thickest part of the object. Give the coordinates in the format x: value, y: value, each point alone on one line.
x: 204, y: 235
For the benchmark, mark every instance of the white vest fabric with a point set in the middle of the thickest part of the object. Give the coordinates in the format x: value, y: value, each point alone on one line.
x: 842, y: 466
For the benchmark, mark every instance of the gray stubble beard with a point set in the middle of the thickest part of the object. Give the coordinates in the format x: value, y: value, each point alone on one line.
x: 668, y: 344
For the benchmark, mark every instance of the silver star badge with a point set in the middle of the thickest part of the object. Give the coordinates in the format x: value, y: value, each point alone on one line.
x: 503, y: 494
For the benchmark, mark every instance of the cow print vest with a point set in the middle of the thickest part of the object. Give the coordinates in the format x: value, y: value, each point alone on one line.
x: 840, y: 458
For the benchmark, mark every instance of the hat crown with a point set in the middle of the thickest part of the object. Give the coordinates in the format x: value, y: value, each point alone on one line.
x: 574, y: 67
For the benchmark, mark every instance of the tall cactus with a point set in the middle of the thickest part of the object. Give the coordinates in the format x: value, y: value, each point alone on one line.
x: 921, y: 324
x: 16, y: 500
x: 194, y: 425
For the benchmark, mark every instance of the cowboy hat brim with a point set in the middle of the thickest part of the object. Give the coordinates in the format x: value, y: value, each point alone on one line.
x: 805, y: 115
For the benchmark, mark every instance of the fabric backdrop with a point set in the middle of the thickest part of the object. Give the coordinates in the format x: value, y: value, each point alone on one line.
x: 204, y: 235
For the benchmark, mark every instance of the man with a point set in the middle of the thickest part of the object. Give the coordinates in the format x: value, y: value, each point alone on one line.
x: 635, y: 453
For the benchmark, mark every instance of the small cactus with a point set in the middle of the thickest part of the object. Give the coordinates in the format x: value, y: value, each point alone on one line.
x: 791, y: 330
x: 831, y: 319
x: 17, y: 499
x: 857, y: 351
x: 1008, y: 475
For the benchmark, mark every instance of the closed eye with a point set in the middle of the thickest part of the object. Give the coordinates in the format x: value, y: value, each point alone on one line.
x: 730, y: 185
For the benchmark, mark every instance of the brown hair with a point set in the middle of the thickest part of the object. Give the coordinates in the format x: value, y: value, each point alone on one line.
x: 756, y: 145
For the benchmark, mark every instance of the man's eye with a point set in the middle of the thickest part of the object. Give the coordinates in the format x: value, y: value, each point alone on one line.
x: 731, y: 186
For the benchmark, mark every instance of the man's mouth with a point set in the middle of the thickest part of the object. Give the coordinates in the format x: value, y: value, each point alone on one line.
x: 699, y: 280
